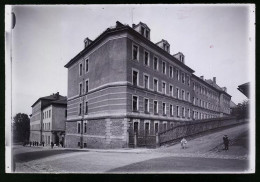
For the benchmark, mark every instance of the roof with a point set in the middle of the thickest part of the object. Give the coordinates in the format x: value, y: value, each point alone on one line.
x: 244, y: 88
x: 211, y: 84
x: 53, y: 98
x: 143, y: 24
x: 163, y: 40
x: 119, y: 28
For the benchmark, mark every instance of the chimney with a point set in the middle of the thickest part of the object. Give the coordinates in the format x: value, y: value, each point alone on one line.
x: 224, y: 89
x: 202, y: 77
x: 214, y: 80
x: 133, y: 25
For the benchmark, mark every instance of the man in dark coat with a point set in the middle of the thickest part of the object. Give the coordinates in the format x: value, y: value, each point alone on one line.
x: 226, y: 142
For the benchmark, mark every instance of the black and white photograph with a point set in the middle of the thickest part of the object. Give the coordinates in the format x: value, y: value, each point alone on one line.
x: 130, y: 88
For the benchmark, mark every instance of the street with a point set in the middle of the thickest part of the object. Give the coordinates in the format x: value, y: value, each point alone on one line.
x: 203, y: 154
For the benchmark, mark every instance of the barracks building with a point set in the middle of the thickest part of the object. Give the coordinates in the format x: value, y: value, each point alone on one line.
x: 123, y: 84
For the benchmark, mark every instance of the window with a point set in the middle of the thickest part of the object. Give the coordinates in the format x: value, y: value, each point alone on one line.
x: 183, y: 94
x: 164, y: 126
x: 135, y: 77
x: 171, y: 110
x: 135, y: 52
x: 86, y: 86
x: 164, y: 108
x: 155, y: 107
x: 188, y: 80
x: 171, y: 90
x: 86, y: 107
x: 171, y: 124
x: 146, y: 81
x: 146, y: 105
x: 80, y: 107
x: 164, y: 67
x: 80, y: 88
x: 178, y: 111
x: 183, y: 78
x: 79, y: 127
x: 183, y: 112
x: 177, y: 74
x: 188, y: 113
x: 155, y: 84
x: 65, y: 112
x: 171, y: 72
x: 194, y: 87
x: 194, y: 115
x: 164, y: 87
x: 80, y: 69
x: 155, y: 63
x: 194, y: 101
x: 146, y: 58
x: 135, y: 103
x: 85, y: 127
x: 147, y: 34
x: 156, y: 127
x: 86, y: 65
x: 142, y: 31
x: 49, y: 113
x: 178, y: 93
x: 136, y: 127
x: 188, y: 96
x: 146, y: 128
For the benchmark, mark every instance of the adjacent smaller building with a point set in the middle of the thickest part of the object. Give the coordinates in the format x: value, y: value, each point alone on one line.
x: 47, y: 122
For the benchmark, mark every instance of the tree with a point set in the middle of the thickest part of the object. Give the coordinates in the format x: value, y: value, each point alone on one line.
x: 242, y: 110
x: 21, y: 127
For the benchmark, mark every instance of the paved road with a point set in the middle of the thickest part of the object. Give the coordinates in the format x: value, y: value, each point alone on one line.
x: 203, y: 154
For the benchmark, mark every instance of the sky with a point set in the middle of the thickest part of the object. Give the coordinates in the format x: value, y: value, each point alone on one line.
x: 214, y: 39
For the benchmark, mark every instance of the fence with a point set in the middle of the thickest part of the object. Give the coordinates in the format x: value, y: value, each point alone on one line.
x: 195, y: 127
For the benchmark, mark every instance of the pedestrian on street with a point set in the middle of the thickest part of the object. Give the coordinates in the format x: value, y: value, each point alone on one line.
x: 43, y: 143
x: 183, y: 143
x: 52, y: 144
x: 61, y: 143
x: 226, y: 142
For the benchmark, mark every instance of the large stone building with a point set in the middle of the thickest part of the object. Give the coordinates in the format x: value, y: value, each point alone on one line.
x: 47, y: 122
x: 122, y: 83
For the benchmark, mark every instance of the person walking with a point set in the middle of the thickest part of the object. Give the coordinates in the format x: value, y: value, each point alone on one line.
x: 43, y: 143
x: 52, y: 144
x: 183, y: 143
x: 30, y: 143
x: 226, y: 142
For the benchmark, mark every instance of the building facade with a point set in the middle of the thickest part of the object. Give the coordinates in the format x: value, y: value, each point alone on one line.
x: 47, y: 122
x: 122, y: 85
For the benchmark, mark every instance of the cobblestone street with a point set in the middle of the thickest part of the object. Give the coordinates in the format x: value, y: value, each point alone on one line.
x: 202, y: 154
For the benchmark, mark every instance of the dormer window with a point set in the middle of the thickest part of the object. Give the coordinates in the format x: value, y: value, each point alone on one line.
x: 164, y: 45
x: 143, y: 29
x: 145, y: 32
